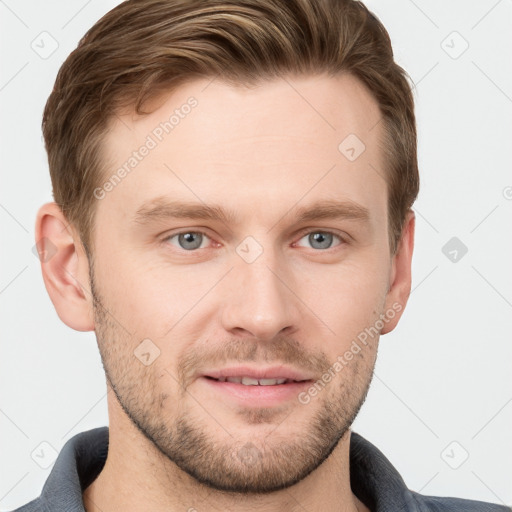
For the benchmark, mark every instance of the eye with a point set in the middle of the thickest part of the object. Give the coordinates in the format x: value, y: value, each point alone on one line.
x: 188, y: 240
x: 321, y: 239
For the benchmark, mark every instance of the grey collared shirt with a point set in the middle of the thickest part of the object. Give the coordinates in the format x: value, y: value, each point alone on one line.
x: 373, y: 479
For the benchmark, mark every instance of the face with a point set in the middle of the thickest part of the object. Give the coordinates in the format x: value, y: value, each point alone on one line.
x: 236, y: 262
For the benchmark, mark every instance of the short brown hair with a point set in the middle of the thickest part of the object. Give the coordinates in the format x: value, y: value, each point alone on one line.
x: 145, y: 47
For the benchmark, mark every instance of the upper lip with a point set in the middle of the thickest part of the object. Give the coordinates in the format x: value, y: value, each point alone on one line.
x: 269, y: 372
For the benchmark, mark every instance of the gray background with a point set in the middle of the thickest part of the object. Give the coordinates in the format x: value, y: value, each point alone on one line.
x: 440, y: 406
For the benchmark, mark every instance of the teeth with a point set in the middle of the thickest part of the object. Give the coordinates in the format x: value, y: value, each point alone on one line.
x: 249, y: 381
x: 271, y: 382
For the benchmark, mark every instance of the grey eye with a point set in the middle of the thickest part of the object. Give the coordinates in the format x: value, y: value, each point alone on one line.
x: 320, y: 240
x: 189, y: 240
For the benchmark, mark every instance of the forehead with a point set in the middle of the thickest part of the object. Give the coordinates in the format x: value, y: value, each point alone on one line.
x: 270, y: 144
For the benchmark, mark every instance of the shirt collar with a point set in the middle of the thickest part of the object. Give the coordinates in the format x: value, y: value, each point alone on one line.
x: 79, y: 462
x: 375, y: 481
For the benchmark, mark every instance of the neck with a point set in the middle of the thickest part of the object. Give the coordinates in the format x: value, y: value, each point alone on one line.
x: 137, y: 476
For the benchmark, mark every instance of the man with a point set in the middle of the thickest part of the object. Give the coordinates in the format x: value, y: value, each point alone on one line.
x: 233, y: 186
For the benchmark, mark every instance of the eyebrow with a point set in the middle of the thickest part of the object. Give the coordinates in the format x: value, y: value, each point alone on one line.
x: 162, y: 208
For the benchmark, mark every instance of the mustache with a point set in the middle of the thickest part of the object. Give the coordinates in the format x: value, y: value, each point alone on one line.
x: 286, y: 351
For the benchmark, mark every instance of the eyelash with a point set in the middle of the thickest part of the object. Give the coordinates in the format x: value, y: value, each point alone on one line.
x: 302, y: 234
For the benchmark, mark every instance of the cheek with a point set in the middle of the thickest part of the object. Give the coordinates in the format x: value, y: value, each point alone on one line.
x: 349, y: 301
x: 172, y: 307
x: 143, y: 296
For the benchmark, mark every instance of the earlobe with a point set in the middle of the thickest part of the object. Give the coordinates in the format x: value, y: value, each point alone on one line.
x: 400, y: 282
x: 65, y: 268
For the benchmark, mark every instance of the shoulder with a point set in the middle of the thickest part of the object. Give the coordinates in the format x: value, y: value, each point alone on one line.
x: 438, y: 504
x: 33, y: 506
x: 78, y: 463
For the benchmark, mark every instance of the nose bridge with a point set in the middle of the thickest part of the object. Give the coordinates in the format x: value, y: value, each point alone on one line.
x: 259, y: 302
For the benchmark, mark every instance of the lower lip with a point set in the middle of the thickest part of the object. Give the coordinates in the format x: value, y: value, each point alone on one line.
x: 259, y: 396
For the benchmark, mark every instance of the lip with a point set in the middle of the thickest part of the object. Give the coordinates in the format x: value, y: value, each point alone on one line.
x: 257, y: 396
x: 269, y: 372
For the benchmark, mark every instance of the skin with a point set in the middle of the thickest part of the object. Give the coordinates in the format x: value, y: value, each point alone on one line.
x: 262, y: 152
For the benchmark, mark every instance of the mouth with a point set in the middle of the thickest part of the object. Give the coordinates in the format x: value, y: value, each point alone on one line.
x: 257, y: 387
x: 250, y: 381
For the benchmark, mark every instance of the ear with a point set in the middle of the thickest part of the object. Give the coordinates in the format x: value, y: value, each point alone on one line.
x: 400, y: 276
x: 65, y: 268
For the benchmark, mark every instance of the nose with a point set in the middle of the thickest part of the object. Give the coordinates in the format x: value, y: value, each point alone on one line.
x: 260, y: 299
